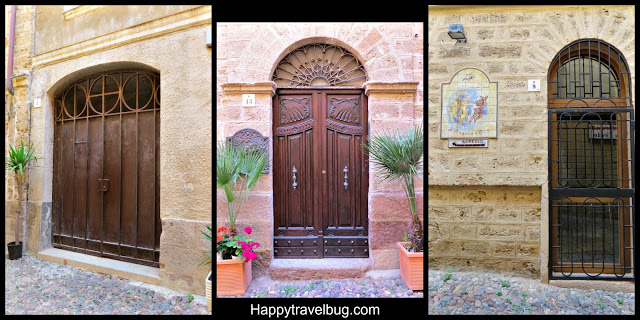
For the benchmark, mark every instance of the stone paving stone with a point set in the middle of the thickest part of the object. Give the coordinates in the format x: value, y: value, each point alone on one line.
x: 366, y: 287
x: 538, y: 298
x: 34, y: 286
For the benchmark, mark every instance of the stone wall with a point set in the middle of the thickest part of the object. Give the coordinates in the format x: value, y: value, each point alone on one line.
x: 17, y: 113
x: 174, y: 46
x: 511, y: 44
x: 392, y: 54
x: 496, y: 228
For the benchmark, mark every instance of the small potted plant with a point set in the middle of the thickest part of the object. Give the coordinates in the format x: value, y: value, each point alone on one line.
x: 237, y: 171
x: 17, y: 162
x: 208, y: 279
x: 398, y: 156
x: 234, y: 255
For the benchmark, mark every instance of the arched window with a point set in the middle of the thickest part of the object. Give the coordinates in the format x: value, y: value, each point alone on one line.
x: 588, y: 71
x: 591, y: 186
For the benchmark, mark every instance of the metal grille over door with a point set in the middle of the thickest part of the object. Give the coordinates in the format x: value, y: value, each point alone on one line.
x: 591, y: 164
x: 106, y: 167
x: 320, y: 174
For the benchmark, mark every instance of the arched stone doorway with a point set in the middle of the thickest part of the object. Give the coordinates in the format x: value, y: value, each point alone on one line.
x: 321, y: 175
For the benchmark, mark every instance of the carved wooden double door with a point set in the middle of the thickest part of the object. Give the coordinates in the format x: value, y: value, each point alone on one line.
x: 320, y: 173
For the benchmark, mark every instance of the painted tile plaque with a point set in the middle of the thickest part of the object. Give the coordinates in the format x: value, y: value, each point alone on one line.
x: 469, y: 106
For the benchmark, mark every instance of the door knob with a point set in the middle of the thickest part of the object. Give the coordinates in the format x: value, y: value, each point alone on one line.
x: 324, y: 172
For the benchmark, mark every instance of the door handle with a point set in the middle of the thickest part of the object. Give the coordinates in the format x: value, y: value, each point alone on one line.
x: 294, y: 177
x: 345, y: 177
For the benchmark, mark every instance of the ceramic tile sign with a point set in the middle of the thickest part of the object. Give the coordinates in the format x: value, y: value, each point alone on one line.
x: 469, y: 106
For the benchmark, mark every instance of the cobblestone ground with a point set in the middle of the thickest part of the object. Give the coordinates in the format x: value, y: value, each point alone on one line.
x: 34, y: 286
x: 333, y: 288
x: 481, y: 293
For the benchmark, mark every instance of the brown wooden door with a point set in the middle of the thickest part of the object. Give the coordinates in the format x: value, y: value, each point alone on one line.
x: 320, y: 173
x: 106, y: 167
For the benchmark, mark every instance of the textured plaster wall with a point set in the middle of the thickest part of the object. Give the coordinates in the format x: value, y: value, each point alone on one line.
x: 53, y: 31
x: 511, y: 44
x: 247, y: 54
x: 184, y: 64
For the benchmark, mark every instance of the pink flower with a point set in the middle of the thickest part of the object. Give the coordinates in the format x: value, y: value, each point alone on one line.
x: 247, y: 230
x: 249, y: 255
x: 245, y: 246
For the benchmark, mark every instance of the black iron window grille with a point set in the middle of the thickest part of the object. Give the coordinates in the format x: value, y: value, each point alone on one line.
x: 590, y: 69
x: 591, y: 164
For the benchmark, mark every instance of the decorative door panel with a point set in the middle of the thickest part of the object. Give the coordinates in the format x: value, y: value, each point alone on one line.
x: 320, y: 176
x: 106, y: 167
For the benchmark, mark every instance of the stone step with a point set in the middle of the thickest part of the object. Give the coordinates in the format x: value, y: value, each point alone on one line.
x: 329, y: 268
x: 105, y: 266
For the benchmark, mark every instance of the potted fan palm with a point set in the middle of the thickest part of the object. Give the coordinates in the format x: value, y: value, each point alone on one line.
x: 237, y: 171
x: 398, y: 157
x: 17, y: 162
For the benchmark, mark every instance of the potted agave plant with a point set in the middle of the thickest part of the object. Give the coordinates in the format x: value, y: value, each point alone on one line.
x: 398, y: 156
x: 17, y: 162
x: 208, y: 280
x: 237, y: 171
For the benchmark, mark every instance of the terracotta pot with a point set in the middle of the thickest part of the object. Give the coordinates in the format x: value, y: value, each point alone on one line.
x: 233, y: 277
x: 208, y: 290
x: 411, y: 267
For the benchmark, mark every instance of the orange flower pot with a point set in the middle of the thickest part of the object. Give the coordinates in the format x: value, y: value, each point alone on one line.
x: 233, y: 277
x: 411, y: 267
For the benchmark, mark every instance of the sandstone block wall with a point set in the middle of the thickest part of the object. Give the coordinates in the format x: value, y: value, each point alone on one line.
x: 497, y: 228
x: 511, y: 44
x: 392, y: 54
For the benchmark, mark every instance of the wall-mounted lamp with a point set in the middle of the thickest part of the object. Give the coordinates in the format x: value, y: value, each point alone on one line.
x: 456, y: 32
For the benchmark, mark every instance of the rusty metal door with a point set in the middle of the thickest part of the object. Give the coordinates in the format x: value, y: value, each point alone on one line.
x: 320, y: 174
x: 106, y: 167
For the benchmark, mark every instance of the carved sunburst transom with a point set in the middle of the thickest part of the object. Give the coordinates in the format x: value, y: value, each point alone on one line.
x: 319, y: 65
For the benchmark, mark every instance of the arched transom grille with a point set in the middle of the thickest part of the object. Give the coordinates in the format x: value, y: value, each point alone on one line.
x: 109, y: 93
x: 319, y: 65
x: 589, y: 73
